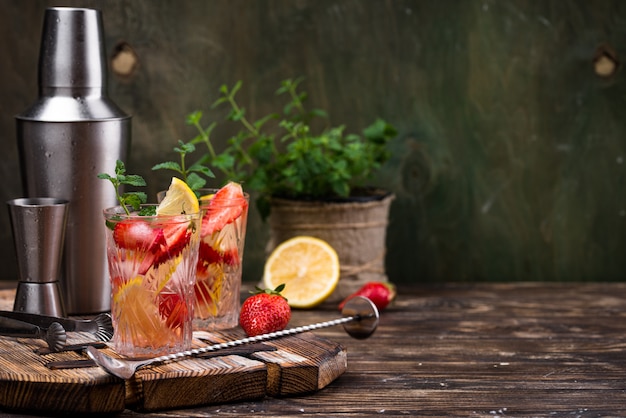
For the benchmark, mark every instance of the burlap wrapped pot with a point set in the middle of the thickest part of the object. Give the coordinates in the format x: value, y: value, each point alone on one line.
x: 355, y: 229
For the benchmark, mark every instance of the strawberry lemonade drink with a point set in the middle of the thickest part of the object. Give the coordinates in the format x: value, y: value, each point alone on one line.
x: 220, y: 255
x: 152, y: 265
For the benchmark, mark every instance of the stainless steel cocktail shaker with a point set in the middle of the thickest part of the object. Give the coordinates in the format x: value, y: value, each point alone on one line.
x: 69, y: 135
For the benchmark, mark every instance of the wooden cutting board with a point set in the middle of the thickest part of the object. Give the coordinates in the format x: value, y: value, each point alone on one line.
x: 288, y: 366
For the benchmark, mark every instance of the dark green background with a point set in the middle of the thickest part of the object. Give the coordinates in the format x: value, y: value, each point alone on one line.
x: 511, y: 155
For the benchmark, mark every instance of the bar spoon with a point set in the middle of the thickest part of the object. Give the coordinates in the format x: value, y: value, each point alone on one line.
x: 359, y: 318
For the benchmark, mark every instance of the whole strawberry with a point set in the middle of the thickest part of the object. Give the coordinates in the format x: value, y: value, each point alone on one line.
x: 265, y: 311
x: 378, y: 292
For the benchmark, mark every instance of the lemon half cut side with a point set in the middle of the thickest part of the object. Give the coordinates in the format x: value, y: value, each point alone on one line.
x: 309, y: 268
x: 179, y: 199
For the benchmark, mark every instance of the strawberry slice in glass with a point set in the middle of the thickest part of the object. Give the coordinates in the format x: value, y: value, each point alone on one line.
x: 218, y: 273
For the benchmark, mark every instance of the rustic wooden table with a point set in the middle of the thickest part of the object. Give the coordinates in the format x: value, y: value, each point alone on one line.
x: 531, y: 349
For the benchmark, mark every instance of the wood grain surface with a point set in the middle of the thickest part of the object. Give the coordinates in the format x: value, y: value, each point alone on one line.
x: 302, y: 363
x: 480, y: 350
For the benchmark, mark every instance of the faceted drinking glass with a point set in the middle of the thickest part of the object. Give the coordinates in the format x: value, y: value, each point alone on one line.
x: 152, y: 266
x: 220, y: 256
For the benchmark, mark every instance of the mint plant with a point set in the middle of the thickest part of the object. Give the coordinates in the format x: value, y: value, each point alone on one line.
x: 279, y: 155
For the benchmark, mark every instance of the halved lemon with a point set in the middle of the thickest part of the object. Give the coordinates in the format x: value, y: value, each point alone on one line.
x: 309, y: 268
x: 179, y: 199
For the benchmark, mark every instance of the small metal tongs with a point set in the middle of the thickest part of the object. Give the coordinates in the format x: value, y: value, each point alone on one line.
x: 54, y: 335
x: 53, y: 329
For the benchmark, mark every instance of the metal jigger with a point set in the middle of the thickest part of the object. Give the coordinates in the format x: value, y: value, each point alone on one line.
x: 38, y: 226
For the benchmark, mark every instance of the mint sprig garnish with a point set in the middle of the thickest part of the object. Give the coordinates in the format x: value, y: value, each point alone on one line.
x: 190, y: 174
x: 133, y: 199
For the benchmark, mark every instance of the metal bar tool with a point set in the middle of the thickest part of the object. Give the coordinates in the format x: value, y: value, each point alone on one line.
x: 359, y: 318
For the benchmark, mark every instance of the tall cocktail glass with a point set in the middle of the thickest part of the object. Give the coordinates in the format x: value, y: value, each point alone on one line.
x: 152, y: 265
x: 220, y: 256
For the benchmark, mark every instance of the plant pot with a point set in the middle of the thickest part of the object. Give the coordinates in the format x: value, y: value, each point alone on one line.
x: 355, y: 228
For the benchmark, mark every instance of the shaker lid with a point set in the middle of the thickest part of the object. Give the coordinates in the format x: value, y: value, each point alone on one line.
x: 72, y: 49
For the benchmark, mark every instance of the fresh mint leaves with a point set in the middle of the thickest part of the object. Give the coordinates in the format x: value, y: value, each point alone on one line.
x: 188, y: 174
x: 281, y: 154
x: 132, y: 199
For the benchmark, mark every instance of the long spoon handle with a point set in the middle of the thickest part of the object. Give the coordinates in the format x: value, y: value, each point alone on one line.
x: 360, y: 319
x: 255, y: 339
x: 358, y: 310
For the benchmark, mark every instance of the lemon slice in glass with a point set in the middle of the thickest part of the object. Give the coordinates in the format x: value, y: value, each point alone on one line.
x: 179, y: 199
x: 207, y: 197
x: 309, y: 268
x: 136, y: 314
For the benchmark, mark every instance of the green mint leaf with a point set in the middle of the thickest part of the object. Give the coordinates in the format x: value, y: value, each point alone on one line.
x: 183, y: 148
x: 219, y: 101
x: 380, y: 132
x: 236, y: 88
x: 132, y: 199
x: 110, y: 224
x: 195, y: 182
x: 119, y: 167
x: 190, y: 173
x: 319, y: 113
x: 194, y: 118
x: 284, y: 87
x: 224, y: 161
x: 168, y: 165
x: 288, y: 108
x: 202, y: 170
x: 148, y: 211
x: 259, y: 123
x: 236, y: 115
x: 134, y: 180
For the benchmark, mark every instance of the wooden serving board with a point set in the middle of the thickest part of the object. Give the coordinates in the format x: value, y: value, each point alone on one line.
x: 287, y: 366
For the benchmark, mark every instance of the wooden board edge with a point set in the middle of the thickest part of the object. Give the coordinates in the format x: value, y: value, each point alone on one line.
x: 68, y: 398
x: 246, y: 382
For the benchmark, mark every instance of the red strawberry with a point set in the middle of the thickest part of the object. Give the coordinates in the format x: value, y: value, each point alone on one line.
x: 176, y: 237
x: 226, y: 206
x: 116, y: 283
x: 137, y: 235
x: 173, y: 309
x: 231, y: 257
x: 378, y: 292
x: 208, y: 255
x: 266, y: 311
